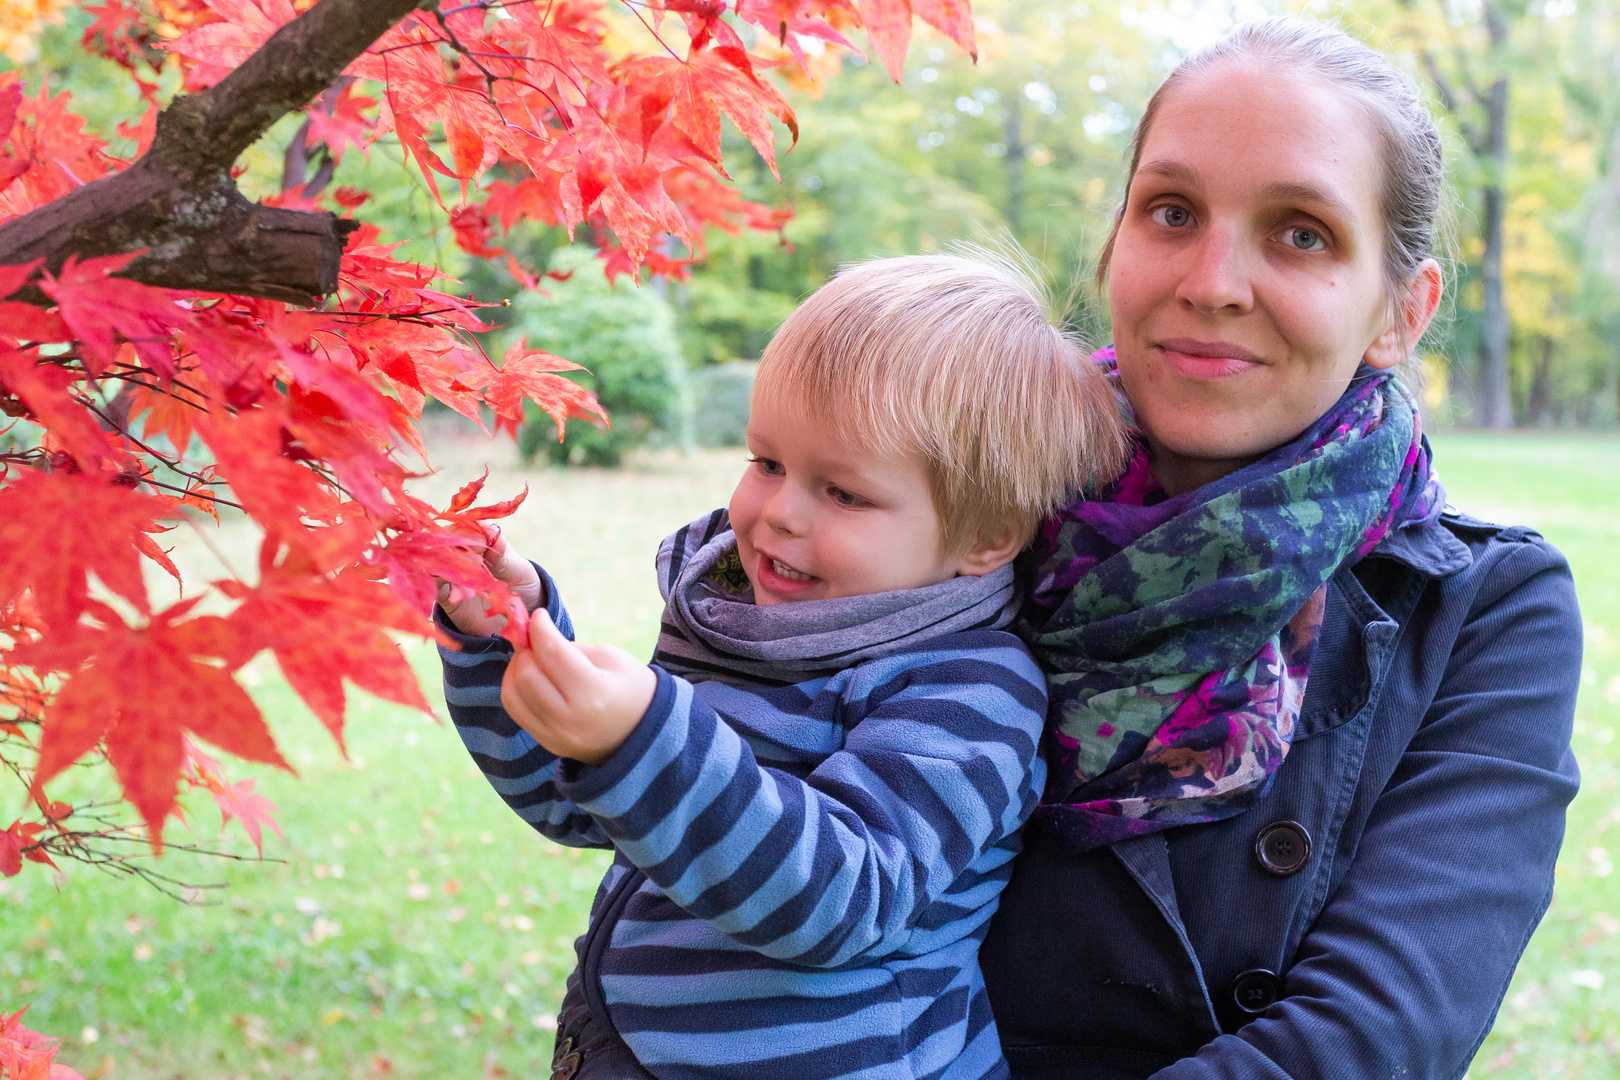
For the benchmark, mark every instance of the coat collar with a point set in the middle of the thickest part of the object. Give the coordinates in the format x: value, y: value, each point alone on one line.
x: 1432, y: 550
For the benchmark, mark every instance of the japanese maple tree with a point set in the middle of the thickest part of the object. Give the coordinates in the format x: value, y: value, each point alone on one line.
x: 168, y: 347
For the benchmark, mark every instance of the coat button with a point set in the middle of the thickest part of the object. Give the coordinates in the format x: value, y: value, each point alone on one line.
x: 1256, y: 990
x: 1283, y: 847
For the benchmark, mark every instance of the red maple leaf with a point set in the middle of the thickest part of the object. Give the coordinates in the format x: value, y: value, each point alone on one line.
x: 55, y: 528
x: 341, y: 123
x: 218, y: 47
x: 101, y: 309
x: 167, y: 413
x: 250, y: 450
x: 45, y: 390
x: 141, y: 689
x: 473, y: 231
x: 325, y: 628
x: 527, y: 373
x: 20, y: 842
x: 237, y: 802
x: 718, y: 80
x: 25, y: 1054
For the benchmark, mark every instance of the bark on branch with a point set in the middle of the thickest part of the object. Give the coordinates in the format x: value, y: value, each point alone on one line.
x: 179, y: 201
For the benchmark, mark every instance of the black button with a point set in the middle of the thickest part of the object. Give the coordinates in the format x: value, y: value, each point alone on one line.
x: 1283, y: 847
x: 1257, y: 990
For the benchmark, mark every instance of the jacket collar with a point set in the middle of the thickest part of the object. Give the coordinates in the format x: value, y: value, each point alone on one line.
x: 1432, y: 550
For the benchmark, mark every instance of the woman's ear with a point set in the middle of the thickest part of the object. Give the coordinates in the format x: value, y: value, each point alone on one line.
x: 992, y: 553
x: 1411, y: 317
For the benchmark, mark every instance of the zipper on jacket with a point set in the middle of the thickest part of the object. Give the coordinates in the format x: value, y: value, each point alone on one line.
x: 597, y: 939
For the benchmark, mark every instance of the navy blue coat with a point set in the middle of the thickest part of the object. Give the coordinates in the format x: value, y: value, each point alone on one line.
x: 1430, y: 773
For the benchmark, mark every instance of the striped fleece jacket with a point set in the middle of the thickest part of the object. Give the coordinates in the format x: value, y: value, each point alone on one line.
x: 803, y: 872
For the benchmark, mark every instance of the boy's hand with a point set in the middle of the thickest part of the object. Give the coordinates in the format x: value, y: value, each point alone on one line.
x: 466, y: 609
x: 578, y: 701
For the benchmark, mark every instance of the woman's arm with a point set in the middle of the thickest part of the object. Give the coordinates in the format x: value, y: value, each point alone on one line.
x: 941, y: 768
x: 1403, y: 971
x: 518, y: 768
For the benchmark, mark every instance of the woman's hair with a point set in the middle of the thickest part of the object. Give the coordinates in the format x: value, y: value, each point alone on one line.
x: 1413, y: 161
x: 953, y: 358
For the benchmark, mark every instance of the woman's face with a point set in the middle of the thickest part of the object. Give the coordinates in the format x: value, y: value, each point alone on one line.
x: 1247, y: 282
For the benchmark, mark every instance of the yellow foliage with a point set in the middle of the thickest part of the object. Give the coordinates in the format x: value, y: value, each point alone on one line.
x: 20, y: 24
x: 1435, y: 379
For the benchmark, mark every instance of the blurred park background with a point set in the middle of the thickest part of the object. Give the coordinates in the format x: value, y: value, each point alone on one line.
x: 408, y: 925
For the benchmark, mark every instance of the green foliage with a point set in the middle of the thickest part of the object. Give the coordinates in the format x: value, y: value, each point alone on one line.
x: 720, y: 399
x: 625, y: 336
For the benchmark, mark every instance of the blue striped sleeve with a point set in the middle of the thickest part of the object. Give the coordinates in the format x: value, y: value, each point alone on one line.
x: 520, y: 770
x: 940, y: 766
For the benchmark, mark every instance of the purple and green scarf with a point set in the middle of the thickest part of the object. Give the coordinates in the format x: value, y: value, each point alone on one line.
x: 1177, y: 632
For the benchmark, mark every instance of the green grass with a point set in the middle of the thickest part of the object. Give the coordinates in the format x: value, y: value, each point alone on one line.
x: 442, y: 943
x: 1562, y: 1014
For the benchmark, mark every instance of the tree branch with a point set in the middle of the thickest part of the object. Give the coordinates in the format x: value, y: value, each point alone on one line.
x: 179, y: 203
x: 1448, y: 97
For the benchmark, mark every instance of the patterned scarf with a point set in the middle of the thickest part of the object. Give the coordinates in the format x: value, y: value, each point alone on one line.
x: 1177, y: 632
x: 713, y: 630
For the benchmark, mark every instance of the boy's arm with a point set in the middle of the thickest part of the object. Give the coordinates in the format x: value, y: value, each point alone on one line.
x: 839, y: 865
x: 518, y: 768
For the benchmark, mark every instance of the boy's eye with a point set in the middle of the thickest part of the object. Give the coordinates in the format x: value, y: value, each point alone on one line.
x: 768, y: 466
x: 1175, y: 217
x: 845, y: 498
x: 1302, y: 239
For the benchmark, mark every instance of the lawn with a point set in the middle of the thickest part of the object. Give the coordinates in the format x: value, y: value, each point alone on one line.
x: 410, y: 926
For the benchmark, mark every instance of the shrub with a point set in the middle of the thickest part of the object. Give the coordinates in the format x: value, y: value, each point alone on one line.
x: 625, y: 336
x: 720, y: 396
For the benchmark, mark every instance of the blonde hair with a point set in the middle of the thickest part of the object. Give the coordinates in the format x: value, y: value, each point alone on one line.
x: 954, y: 358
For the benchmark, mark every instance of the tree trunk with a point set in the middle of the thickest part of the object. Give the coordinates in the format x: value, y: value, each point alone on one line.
x: 1541, y: 390
x: 1495, y: 403
x: 1015, y: 163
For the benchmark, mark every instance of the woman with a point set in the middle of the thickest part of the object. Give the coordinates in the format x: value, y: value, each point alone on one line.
x: 1309, y: 746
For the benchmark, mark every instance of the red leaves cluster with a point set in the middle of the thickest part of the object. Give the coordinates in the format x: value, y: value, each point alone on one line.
x: 301, y: 417
x: 547, y: 92
x: 142, y: 406
x: 25, y: 1054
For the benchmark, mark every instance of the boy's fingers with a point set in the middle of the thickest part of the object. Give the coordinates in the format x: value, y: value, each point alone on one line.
x: 610, y: 658
x: 561, y: 660
x: 532, y: 689
x: 495, y: 545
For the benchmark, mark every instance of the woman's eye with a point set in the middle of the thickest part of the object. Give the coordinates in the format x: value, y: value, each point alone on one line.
x: 1174, y: 217
x: 1302, y: 239
x: 768, y: 466
x: 845, y: 498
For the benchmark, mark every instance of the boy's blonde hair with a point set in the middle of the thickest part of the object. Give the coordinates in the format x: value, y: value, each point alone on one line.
x: 955, y: 358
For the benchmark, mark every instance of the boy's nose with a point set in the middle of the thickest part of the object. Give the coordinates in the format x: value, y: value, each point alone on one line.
x: 784, y: 511
x: 1218, y: 277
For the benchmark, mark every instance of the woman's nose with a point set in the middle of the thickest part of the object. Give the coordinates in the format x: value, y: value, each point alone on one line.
x: 1217, y: 278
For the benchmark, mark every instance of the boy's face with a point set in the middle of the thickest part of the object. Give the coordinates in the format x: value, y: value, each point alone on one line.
x: 817, y: 517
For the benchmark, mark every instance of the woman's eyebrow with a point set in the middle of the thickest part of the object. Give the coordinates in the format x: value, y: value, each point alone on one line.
x: 1310, y: 193
x: 1174, y: 171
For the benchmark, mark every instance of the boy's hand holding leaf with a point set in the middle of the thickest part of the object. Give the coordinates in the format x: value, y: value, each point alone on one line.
x: 578, y: 701
x: 470, y: 613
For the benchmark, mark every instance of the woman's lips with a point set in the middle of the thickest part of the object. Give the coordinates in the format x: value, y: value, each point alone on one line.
x: 1207, y: 359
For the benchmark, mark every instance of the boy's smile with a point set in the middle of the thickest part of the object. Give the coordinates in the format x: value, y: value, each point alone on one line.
x: 818, y: 516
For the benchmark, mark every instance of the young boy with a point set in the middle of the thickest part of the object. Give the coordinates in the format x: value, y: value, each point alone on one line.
x: 814, y: 790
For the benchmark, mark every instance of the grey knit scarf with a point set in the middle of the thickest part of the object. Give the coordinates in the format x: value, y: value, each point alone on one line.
x: 713, y: 630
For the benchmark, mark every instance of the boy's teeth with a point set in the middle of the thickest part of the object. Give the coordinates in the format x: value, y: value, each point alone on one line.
x: 784, y: 570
